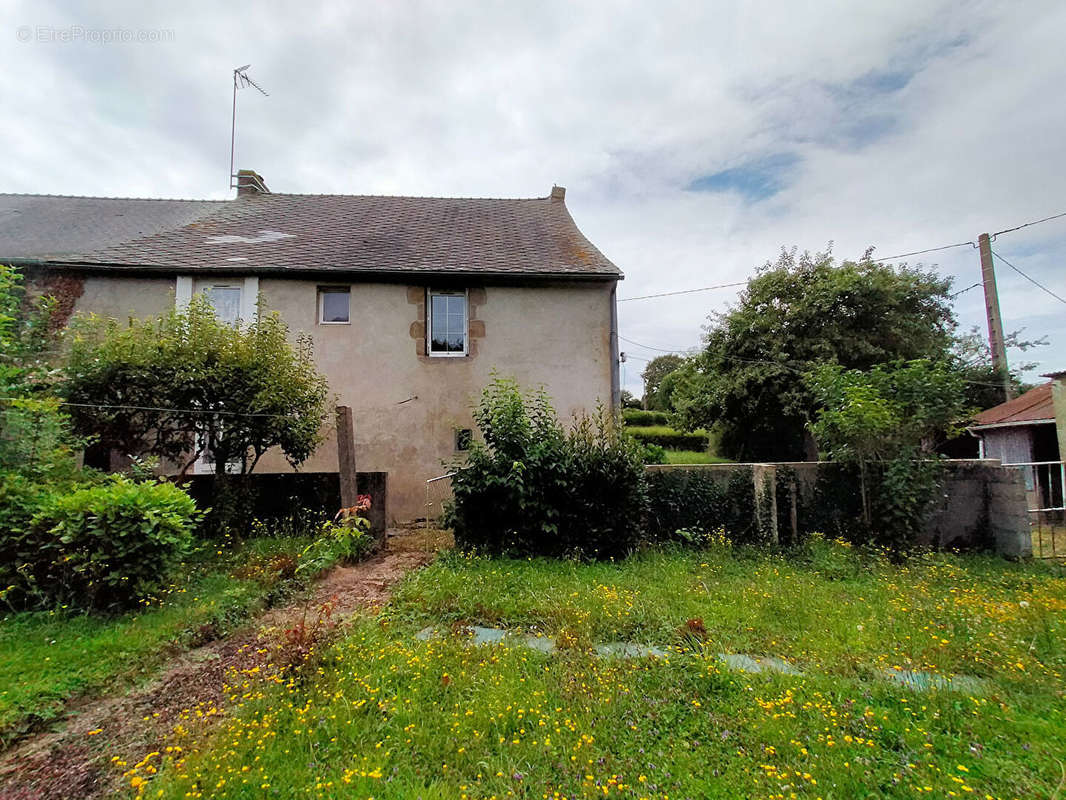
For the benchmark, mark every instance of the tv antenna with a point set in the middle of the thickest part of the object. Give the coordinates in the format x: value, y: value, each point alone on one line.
x: 240, y: 81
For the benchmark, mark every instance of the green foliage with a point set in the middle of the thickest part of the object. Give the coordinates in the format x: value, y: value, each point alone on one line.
x: 628, y: 400
x: 35, y: 436
x: 703, y: 502
x: 99, y: 547
x: 669, y: 439
x: 886, y: 422
x: 534, y: 488
x: 639, y: 417
x: 654, y: 373
x: 654, y: 454
x: 50, y: 657
x: 801, y: 311
x: 235, y: 390
x: 973, y: 358
x: 334, y: 543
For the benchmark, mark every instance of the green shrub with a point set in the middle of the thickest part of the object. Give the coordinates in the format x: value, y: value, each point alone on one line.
x: 670, y: 439
x: 653, y: 454
x: 335, y: 542
x: 99, y: 547
x: 635, y: 416
x: 684, y: 503
x: 533, y: 488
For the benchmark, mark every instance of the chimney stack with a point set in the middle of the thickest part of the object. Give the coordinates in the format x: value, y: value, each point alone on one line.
x: 558, y: 194
x: 250, y: 182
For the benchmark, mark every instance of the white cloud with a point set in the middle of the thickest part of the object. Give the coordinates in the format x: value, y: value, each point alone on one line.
x: 916, y: 124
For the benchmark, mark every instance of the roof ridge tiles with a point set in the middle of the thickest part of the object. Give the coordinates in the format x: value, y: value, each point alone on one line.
x: 106, y: 197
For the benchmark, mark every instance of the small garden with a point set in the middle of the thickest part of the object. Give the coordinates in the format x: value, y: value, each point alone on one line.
x: 105, y: 574
x: 388, y: 711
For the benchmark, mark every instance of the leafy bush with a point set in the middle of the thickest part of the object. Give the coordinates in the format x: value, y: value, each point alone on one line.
x: 336, y: 542
x: 97, y: 547
x: 653, y: 454
x: 670, y: 439
x: 635, y: 416
x: 534, y: 488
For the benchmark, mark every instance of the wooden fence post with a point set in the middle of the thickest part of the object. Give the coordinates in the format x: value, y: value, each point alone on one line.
x: 346, y: 457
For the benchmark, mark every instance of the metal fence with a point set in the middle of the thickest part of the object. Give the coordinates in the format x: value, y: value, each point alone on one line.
x: 438, y: 492
x: 1045, y: 482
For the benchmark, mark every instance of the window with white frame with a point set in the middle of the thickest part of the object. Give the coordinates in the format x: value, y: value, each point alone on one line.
x: 333, y: 305
x: 226, y: 300
x: 447, y: 323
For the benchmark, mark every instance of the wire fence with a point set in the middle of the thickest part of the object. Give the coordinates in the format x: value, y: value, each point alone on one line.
x: 438, y: 492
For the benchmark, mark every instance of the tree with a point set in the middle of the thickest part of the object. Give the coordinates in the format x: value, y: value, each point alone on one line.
x: 184, y: 383
x: 984, y: 383
x: 886, y: 422
x: 628, y: 400
x: 798, y: 312
x: 35, y: 435
x: 653, y: 374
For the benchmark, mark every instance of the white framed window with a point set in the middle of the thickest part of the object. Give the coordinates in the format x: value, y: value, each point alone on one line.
x: 446, y: 323
x: 225, y: 298
x: 234, y: 299
x: 334, y: 306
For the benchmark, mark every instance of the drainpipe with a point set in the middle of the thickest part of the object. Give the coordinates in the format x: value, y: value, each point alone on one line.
x: 616, y: 381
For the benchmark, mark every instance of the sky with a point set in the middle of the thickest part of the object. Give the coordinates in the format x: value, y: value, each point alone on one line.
x: 695, y: 140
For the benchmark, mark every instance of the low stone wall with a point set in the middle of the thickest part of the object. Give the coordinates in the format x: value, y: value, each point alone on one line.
x: 981, y: 504
x: 279, y: 495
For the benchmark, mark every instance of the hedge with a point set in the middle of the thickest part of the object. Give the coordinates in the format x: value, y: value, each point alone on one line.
x: 636, y: 416
x: 672, y: 440
x: 701, y: 501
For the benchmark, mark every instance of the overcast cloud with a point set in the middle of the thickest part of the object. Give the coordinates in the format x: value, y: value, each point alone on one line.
x: 694, y: 139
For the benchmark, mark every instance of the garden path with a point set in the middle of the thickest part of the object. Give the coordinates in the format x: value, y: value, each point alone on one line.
x: 74, y: 761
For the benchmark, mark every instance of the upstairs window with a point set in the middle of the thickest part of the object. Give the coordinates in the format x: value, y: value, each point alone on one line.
x: 447, y: 323
x: 333, y: 305
x: 226, y: 300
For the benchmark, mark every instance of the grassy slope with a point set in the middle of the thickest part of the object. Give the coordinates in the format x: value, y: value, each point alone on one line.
x: 48, y: 657
x: 389, y: 716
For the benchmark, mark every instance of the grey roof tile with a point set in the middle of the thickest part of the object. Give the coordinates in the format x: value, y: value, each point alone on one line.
x: 299, y: 233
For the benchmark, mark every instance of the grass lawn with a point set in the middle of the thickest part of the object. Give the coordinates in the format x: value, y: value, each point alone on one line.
x: 693, y: 457
x: 46, y: 658
x: 386, y: 715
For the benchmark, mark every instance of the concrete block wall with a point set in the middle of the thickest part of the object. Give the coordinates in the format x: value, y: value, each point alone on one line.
x: 981, y: 504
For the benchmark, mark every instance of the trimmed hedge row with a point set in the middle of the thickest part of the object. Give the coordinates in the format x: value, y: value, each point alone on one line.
x: 636, y: 416
x: 673, y: 441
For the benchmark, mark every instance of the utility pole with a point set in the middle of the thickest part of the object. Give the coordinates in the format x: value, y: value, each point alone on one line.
x: 995, y: 323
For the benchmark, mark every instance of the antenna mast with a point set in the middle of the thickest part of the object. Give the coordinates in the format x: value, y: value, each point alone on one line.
x: 240, y: 81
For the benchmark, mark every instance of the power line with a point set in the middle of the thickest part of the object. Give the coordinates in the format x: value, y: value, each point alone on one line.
x: 928, y: 250
x: 1027, y: 224
x: 684, y: 291
x: 658, y: 349
x: 1031, y: 280
x: 154, y: 408
x: 963, y: 291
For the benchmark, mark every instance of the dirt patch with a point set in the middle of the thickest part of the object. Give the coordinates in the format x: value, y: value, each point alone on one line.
x: 75, y: 761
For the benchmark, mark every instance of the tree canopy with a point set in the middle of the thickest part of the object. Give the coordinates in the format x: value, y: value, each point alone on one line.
x: 176, y: 385
x: 654, y: 373
x: 797, y: 312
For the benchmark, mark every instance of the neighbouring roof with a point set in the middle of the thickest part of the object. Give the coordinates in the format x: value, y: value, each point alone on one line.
x: 303, y: 233
x: 1033, y: 406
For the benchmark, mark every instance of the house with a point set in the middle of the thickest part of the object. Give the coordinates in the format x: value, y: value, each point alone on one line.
x: 411, y: 302
x: 1030, y: 431
x: 1021, y: 430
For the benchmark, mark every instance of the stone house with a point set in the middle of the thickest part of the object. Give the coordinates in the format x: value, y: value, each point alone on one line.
x: 411, y: 302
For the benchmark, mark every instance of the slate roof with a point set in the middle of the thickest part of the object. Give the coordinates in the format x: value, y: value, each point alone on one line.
x: 1033, y: 406
x: 303, y: 233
